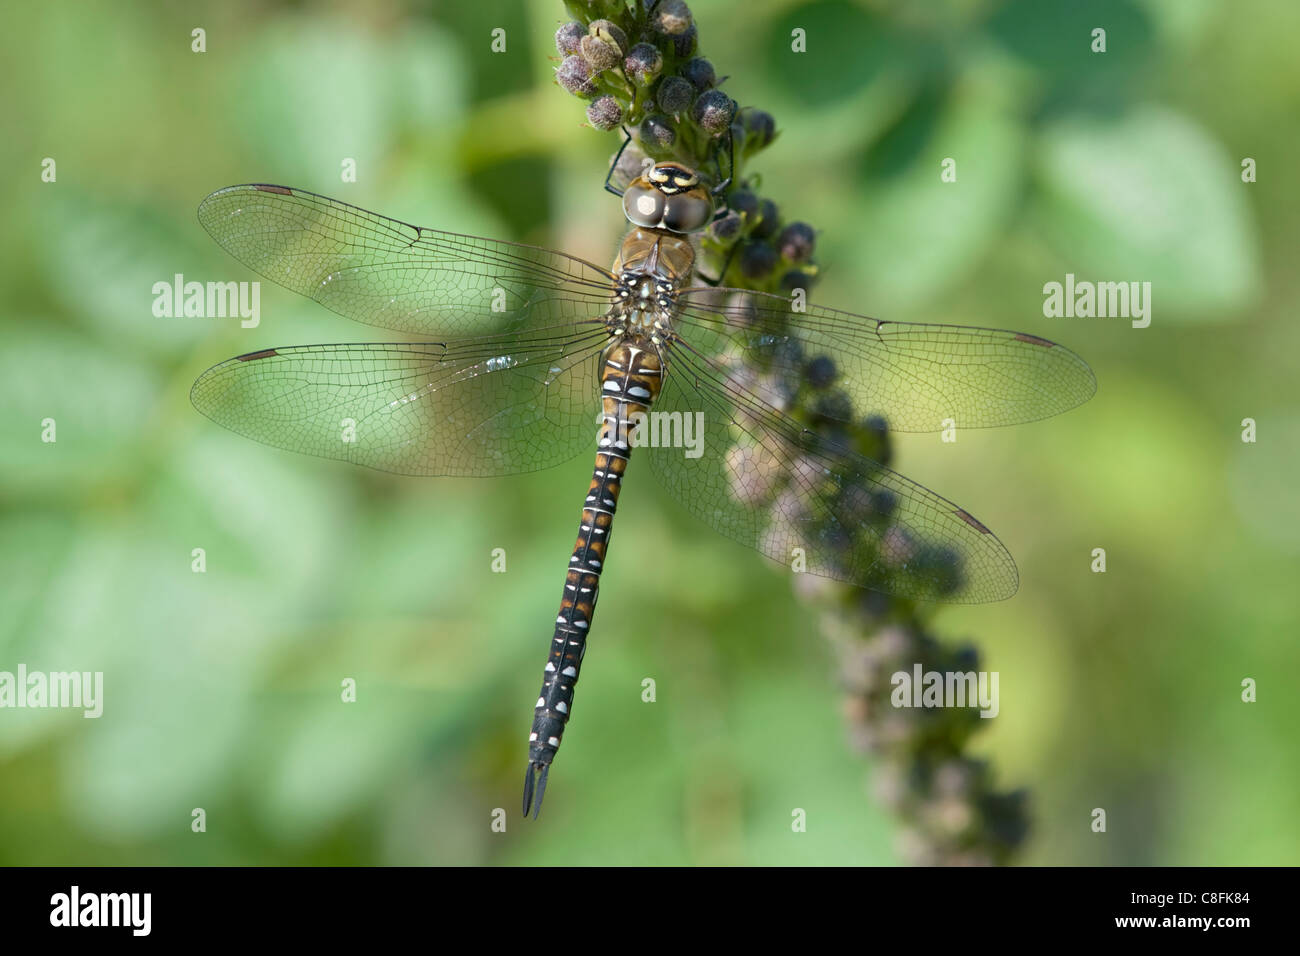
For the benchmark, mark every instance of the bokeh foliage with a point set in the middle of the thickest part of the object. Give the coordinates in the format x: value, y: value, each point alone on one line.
x: 1118, y: 690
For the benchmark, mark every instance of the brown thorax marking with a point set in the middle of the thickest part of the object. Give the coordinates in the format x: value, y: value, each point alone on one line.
x: 651, y: 266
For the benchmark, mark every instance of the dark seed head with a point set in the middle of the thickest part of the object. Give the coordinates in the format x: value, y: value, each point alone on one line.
x: 599, y: 54
x: 657, y: 132
x: 834, y: 406
x: 744, y: 202
x: 604, y: 113
x: 796, y: 241
x: 568, y: 37
x: 684, y: 43
x: 671, y: 17
x: 760, y: 127
x: 674, y: 94
x: 946, y: 565
x: 884, y: 502
x: 712, y: 111
x: 874, y: 435
x: 643, y: 64
x: 757, y: 260
x: 874, y: 604
x: 1007, y: 816
x: 769, y: 217
x: 966, y: 657
x: 575, y: 76
x: 610, y: 33
x: 795, y: 279
x: 726, y: 228
x: 820, y: 371
x: 700, y: 72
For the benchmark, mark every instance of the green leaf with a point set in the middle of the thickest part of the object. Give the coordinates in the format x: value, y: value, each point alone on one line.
x: 1057, y: 38
x: 846, y: 48
x: 920, y: 233
x: 102, y: 257
x: 1148, y: 196
x: 100, y: 405
x: 316, y: 92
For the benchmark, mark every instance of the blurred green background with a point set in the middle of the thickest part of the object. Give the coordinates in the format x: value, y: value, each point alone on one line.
x: 1119, y: 690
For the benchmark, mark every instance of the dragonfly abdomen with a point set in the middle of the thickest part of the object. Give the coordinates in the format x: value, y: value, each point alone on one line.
x: 631, y: 376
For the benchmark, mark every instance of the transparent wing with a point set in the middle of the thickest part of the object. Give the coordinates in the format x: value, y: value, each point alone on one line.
x: 765, y: 481
x: 493, y: 406
x: 915, y: 375
x: 390, y: 274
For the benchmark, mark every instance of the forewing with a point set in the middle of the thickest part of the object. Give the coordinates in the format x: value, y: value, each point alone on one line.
x: 390, y: 274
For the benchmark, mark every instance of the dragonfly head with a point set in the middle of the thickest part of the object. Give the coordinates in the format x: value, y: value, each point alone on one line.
x: 668, y: 196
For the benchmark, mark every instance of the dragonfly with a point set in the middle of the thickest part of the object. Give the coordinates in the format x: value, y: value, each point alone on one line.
x: 528, y: 357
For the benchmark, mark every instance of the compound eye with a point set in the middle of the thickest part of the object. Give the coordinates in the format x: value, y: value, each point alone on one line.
x: 643, y: 205
x: 688, y: 211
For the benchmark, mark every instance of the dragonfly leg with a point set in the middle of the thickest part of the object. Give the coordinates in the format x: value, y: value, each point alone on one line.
x: 614, y: 165
x: 714, y: 281
x: 723, y: 184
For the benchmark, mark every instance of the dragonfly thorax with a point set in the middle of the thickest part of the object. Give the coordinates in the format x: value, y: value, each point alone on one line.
x: 642, y: 303
x: 652, y: 265
x: 644, y: 288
